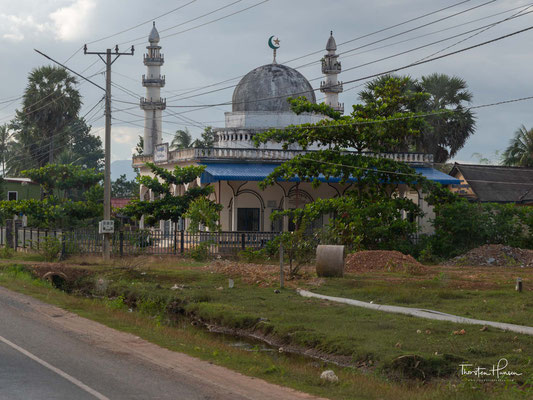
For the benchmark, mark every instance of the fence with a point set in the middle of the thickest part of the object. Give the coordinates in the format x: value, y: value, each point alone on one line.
x: 135, y: 242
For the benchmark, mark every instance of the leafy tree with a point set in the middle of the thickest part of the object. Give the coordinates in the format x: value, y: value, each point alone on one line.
x: 520, y: 150
x: 182, y: 139
x: 207, y: 139
x: 203, y: 212
x: 444, y: 133
x: 371, y: 213
x: 165, y: 205
x: 124, y: 188
x: 72, y: 196
x: 85, y: 149
x: 51, y: 103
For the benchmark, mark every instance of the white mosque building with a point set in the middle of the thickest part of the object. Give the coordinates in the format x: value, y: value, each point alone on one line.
x: 234, y: 167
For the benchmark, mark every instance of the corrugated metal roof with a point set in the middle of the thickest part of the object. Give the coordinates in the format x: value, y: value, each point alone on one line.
x: 495, y: 183
x: 215, y: 172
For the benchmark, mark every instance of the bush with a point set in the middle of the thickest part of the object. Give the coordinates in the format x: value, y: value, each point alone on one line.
x: 462, y: 226
x: 6, y: 252
x: 50, y: 248
x: 201, y: 252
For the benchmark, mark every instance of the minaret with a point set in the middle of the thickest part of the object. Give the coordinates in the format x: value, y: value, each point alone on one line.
x: 331, y: 67
x: 153, y: 105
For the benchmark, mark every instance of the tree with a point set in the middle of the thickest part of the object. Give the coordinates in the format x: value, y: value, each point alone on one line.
x: 165, y: 205
x: 182, y: 139
x: 207, y: 140
x: 50, y: 104
x: 444, y: 133
x: 371, y: 213
x: 73, y: 196
x: 520, y: 150
x: 447, y: 132
x: 86, y: 149
x: 123, y: 188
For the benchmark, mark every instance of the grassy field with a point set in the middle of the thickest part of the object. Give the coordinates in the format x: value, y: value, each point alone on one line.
x: 394, y: 356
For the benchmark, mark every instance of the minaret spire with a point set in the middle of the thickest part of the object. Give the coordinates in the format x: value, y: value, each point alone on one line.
x: 331, y: 67
x: 153, y: 105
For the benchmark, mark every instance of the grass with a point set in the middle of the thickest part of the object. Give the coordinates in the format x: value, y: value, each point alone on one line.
x: 485, y: 293
x: 375, y: 340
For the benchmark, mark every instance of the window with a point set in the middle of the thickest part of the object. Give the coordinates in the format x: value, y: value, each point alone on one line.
x: 12, y: 195
x: 248, y: 219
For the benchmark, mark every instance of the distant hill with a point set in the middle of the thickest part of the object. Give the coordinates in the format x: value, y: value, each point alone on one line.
x: 122, y: 167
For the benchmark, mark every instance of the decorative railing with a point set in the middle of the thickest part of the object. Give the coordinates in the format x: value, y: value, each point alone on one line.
x: 198, y: 154
x: 150, y: 104
x: 329, y: 87
x: 159, y: 81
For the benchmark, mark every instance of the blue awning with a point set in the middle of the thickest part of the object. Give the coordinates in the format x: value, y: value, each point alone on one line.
x: 216, y: 172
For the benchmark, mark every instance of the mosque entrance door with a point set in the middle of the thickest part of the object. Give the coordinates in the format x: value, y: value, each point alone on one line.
x: 248, y: 219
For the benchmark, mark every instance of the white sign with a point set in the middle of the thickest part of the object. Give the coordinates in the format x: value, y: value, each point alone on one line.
x: 161, y: 152
x: 106, y: 226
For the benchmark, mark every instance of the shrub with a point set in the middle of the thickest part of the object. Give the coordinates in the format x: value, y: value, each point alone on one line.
x: 201, y: 252
x: 50, y: 248
x: 6, y: 252
x: 461, y: 226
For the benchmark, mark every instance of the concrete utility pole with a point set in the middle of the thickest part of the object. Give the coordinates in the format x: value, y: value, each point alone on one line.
x: 106, y: 250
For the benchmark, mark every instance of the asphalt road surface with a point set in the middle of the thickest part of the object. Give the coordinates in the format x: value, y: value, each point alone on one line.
x: 48, y: 353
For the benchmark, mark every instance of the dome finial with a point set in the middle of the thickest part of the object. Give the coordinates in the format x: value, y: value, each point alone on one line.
x: 154, y: 35
x: 331, y: 45
x: 274, y: 45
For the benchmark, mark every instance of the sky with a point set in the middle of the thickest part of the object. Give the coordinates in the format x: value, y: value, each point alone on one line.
x: 204, y: 50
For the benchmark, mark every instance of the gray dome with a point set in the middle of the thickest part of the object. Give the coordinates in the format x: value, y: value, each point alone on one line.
x: 331, y: 45
x: 154, y: 35
x: 266, y: 89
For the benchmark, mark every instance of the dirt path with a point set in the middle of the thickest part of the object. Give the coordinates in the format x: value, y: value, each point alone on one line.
x: 215, y: 378
x: 421, y: 313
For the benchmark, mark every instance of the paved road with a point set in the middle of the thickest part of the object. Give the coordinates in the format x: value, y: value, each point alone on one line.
x: 48, y: 353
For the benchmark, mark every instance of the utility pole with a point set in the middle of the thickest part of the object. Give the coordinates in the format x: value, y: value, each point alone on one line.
x: 106, y: 227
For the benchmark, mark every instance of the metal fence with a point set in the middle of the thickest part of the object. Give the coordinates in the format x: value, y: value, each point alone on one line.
x: 135, y: 242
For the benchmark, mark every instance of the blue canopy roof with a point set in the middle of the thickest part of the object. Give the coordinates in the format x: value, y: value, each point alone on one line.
x: 215, y: 172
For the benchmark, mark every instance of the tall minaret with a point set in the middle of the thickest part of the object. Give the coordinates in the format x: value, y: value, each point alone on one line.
x: 331, y: 67
x: 153, y: 105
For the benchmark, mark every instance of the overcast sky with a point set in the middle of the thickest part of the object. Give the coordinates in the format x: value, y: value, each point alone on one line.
x: 234, y: 45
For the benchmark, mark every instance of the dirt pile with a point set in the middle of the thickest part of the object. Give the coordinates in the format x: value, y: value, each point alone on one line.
x: 374, y: 260
x: 495, y: 255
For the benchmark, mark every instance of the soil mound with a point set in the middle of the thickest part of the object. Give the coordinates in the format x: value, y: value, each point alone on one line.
x: 495, y: 255
x: 385, y: 260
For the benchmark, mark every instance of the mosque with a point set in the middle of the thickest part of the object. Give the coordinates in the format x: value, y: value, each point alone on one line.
x: 234, y: 166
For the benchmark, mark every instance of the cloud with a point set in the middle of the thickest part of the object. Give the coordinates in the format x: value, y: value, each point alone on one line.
x: 71, y: 22
x: 14, y: 26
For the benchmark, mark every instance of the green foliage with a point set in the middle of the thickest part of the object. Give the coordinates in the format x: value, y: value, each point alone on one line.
x: 371, y: 214
x: 461, y: 226
x: 298, y: 249
x: 83, y: 148
x: 6, y: 252
x: 250, y: 255
x: 139, y: 148
x: 166, y: 206
x: 50, y: 248
x: 201, y: 251
x: 50, y: 105
x: 520, y: 150
x: 124, y: 188
x: 203, y: 212
x: 72, y: 195
x: 444, y: 133
x: 182, y: 139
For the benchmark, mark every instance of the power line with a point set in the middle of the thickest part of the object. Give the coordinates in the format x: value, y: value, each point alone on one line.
x: 349, y: 41
x: 391, y: 71
x: 142, y: 23
x: 186, y: 22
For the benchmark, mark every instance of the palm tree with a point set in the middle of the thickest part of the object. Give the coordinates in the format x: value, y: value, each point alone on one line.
x: 182, y: 139
x: 520, y: 150
x: 446, y: 133
x: 50, y: 104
